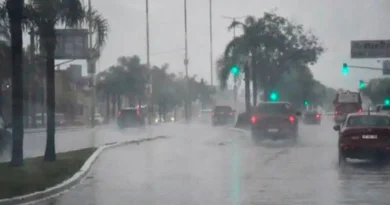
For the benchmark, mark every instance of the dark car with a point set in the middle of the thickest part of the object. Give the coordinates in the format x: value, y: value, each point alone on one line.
x: 130, y: 117
x: 222, y: 115
x: 364, y: 136
x: 311, y: 117
x: 274, y: 120
x: 342, y: 110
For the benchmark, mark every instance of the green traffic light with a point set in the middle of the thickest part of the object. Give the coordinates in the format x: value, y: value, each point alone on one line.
x: 345, y: 69
x: 235, y: 70
x: 362, y: 84
x: 306, y: 103
x: 273, y: 96
x: 387, y: 102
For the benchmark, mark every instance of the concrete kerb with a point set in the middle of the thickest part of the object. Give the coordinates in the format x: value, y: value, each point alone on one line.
x: 61, y: 188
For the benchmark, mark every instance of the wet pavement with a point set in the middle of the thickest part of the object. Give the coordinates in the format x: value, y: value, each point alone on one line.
x: 201, y: 165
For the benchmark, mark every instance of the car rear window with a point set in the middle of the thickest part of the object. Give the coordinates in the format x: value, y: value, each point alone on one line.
x: 348, y: 108
x: 223, y: 109
x: 128, y: 113
x: 277, y: 108
x: 368, y: 120
x: 385, y: 107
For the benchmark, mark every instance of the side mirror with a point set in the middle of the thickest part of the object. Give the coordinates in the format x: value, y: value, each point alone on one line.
x: 298, y: 113
x: 337, y: 127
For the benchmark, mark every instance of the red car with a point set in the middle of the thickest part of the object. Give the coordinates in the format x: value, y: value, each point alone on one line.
x: 272, y: 120
x: 364, y: 136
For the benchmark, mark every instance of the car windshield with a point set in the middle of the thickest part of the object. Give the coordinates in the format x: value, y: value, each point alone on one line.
x: 223, y: 109
x: 128, y: 113
x: 368, y: 120
x: 277, y: 108
x: 348, y: 107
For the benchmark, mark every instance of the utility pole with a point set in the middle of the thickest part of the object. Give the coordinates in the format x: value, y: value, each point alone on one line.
x: 211, y: 44
x: 149, y: 87
x: 91, y: 63
x: 187, y: 103
x: 32, y: 104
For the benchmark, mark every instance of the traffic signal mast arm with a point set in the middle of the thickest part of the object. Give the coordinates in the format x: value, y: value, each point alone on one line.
x: 364, y: 67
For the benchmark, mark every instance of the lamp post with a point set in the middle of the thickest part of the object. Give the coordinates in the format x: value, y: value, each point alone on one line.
x: 187, y: 104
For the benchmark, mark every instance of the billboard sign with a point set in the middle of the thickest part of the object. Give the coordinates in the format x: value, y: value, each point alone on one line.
x: 72, y: 44
x: 370, y: 49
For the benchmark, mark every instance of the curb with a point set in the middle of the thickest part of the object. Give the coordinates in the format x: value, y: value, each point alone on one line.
x: 59, y: 189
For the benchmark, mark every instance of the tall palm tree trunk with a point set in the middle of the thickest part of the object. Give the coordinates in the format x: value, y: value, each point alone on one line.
x: 107, y: 118
x: 247, y: 88
x: 254, y: 79
x: 50, y: 153
x: 1, y: 98
x: 15, y: 11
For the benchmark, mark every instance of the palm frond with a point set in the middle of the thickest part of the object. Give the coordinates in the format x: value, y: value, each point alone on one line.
x: 70, y: 12
x: 99, y: 26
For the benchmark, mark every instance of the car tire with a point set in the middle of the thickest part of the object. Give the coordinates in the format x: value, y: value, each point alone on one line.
x: 256, y: 137
x: 342, y: 159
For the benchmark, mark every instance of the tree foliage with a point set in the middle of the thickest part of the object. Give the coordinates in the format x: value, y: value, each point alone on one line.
x: 129, y: 78
x: 279, y: 52
x: 377, y: 89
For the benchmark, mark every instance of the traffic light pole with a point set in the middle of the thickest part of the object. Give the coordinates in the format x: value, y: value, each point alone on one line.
x: 187, y: 104
x: 150, y: 77
x: 365, y: 67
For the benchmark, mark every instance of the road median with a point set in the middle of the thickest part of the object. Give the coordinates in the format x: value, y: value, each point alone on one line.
x: 38, y: 180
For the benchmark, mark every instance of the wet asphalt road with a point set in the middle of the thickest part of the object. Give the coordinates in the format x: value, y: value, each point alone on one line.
x: 202, y: 165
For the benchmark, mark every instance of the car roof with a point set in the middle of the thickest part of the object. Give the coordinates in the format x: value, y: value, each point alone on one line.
x: 129, y: 108
x: 367, y: 114
x: 279, y: 102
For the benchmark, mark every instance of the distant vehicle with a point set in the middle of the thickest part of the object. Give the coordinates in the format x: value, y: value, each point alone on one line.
x: 4, y: 134
x: 312, y: 117
x: 99, y: 120
x: 364, y: 136
x: 222, y: 115
x: 346, y: 102
x: 130, y: 117
x: 273, y: 120
x: 383, y: 108
x: 205, y: 115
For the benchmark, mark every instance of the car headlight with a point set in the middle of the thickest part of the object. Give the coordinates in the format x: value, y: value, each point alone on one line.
x: 172, y: 119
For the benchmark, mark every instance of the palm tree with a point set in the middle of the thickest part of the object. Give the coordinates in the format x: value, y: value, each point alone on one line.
x: 5, y: 57
x: 245, y: 45
x: 15, y: 13
x: 45, y: 16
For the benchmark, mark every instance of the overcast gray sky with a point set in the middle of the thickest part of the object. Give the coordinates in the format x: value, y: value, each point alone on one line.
x: 335, y: 22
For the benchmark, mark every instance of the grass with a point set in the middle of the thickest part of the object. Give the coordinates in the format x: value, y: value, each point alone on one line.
x: 37, y: 175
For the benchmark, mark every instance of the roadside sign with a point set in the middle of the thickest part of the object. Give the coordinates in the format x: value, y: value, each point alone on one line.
x: 72, y: 44
x: 370, y: 49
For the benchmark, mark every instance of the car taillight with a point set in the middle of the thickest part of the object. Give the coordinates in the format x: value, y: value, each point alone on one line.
x: 318, y: 116
x: 336, y: 112
x: 253, y: 119
x: 360, y: 110
x: 291, y: 119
